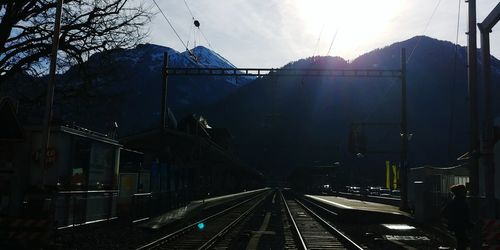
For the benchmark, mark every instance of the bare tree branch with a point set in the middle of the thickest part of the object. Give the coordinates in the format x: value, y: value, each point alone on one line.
x: 88, y: 26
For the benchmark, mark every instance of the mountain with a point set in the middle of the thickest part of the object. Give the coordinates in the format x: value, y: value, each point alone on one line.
x: 279, y: 123
x: 126, y: 86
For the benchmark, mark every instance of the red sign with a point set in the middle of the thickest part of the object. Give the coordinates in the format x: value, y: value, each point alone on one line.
x: 51, y: 156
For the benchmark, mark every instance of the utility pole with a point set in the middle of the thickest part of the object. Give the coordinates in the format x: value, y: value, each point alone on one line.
x: 404, y: 137
x: 164, y: 109
x: 50, y: 91
x: 473, y: 112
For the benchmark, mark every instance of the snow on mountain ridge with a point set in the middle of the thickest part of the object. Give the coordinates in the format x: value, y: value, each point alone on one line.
x: 208, y: 57
x: 198, y: 57
x: 205, y: 57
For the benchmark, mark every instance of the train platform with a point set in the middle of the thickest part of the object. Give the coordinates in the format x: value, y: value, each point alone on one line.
x: 353, y: 206
x: 194, y: 207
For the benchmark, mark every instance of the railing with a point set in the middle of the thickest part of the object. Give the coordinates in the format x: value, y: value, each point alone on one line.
x: 141, y: 207
x: 83, y: 207
x: 147, y: 205
x: 73, y: 208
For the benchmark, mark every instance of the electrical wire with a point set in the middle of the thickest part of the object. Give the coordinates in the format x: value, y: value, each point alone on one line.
x: 171, y: 26
x: 423, y: 33
x: 319, y: 38
x: 206, y: 40
x: 333, y: 40
x: 189, y: 9
x: 191, y: 56
x: 452, y: 85
x: 194, y: 19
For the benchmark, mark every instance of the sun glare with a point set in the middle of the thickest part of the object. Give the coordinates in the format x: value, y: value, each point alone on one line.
x: 356, y: 22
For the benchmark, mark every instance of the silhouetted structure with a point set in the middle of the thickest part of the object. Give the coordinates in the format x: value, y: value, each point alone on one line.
x: 11, y: 134
x: 456, y: 212
x: 186, y: 163
x: 428, y: 188
x: 318, y: 179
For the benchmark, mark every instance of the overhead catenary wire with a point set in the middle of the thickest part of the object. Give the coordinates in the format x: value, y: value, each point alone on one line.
x: 169, y: 23
x: 452, y: 86
x: 423, y: 33
x: 318, y: 40
x: 333, y: 40
x: 206, y: 40
x: 196, y: 24
x: 191, y: 55
x: 189, y: 9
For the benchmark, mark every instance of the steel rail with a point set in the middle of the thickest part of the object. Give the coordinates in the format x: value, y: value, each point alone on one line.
x: 226, y: 229
x: 295, y: 228
x: 342, y: 237
x: 322, y: 207
x: 163, y: 240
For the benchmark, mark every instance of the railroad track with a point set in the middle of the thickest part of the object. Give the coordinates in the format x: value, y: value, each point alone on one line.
x: 206, y: 232
x: 313, y: 232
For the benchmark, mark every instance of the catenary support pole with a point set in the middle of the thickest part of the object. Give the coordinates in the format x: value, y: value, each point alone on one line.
x: 404, y: 136
x: 164, y: 108
x: 473, y: 103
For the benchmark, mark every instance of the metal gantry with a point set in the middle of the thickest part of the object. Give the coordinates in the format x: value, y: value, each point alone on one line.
x: 262, y: 72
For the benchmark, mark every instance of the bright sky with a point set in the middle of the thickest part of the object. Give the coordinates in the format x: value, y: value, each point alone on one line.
x: 271, y: 33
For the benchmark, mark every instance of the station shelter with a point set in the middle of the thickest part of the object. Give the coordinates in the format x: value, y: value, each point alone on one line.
x: 429, y: 189
x: 78, y: 184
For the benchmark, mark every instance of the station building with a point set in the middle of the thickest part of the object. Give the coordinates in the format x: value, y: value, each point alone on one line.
x: 91, y: 177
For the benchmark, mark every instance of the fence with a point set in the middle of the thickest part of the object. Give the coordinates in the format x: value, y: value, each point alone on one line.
x: 81, y: 207
x: 72, y: 208
x: 147, y: 205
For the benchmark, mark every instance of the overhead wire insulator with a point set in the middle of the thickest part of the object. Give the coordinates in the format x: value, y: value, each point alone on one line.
x: 192, y: 55
x: 197, y: 24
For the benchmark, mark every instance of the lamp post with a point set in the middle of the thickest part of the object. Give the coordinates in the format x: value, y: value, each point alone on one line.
x: 50, y: 91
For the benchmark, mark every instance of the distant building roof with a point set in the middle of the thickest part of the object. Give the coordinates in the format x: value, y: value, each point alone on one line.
x: 87, y: 133
x: 153, y: 139
x: 194, y: 125
x: 77, y: 131
x: 459, y: 170
x: 221, y: 137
